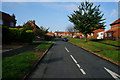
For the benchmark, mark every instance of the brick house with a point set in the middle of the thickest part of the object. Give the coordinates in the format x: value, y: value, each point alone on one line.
x: 50, y: 34
x: 63, y: 34
x: 68, y: 34
x: 97, y: 34
x: 7, y: 20
x: 31, y: 24
x: 113, y: 33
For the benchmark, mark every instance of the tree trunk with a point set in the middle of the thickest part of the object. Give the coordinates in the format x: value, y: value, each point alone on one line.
x: 86, y: 37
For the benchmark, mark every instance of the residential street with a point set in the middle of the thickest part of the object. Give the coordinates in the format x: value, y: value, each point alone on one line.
x: 65, y: 60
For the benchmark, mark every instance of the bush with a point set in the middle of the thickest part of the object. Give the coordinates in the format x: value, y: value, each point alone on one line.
x: 6, y: 35
x: 17, y: 35
x: 48, y: 38
x: 29, y: 36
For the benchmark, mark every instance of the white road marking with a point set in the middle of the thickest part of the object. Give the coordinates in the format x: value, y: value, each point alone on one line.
x: 113, y: 74
x: 66, y: 49
x: 83, y: 72
x: 78, y: 65
x: 73, y: 59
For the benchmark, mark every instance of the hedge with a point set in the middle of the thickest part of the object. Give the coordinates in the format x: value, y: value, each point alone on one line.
x: 16, y: 35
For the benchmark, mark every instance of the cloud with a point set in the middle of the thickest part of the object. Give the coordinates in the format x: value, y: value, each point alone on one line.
x: 62, y: 6
x: 114, y: 13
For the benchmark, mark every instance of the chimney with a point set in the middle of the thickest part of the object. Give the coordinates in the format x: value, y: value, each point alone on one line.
x: 33, y: 21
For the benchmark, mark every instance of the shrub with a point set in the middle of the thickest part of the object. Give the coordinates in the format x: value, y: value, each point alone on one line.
x: 6, y: 35
x: 29, y: 36
x: 48, y: 38
x: 17, y: 35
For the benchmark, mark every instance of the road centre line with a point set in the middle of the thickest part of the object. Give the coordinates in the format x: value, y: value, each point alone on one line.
x: 73, y: 59
x: 83, y: 72
x: 66, y: 49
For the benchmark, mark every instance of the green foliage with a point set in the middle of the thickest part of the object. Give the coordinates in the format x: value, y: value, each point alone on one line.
x: 17, y: 35
x: 17, y: 66
x: 6, y: 35
x: 13, y: 16
x: 87, y: 19
x: 48, y: 38
x: 41, y: 32
x: 29, y: 36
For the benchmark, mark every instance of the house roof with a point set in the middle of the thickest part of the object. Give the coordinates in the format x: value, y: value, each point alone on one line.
x: 62, y: 32
x: 32, y: 24
x: 6, y: 17
x: 112, y: 30
x: 99, y: 30
x: 116, y: 22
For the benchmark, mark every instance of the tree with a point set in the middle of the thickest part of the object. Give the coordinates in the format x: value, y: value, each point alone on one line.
x: 87, y: 18
x: 13, y: 16
x: 41, y: 31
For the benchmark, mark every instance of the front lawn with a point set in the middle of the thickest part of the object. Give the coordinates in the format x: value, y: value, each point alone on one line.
x: 17, y: 66
x: 117, y: 43
x: 114, y: 55
x: 91, y: 45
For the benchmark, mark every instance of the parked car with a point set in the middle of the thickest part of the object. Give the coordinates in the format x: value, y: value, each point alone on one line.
x: 65, y: 39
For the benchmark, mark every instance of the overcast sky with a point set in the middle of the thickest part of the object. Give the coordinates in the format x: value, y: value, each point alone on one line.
x: 54, y: 14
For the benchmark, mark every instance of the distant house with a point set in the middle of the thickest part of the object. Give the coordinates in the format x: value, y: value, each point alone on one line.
x: 63, y: 34
x: 76, y: 34
x: 50, y: 34
x: 30, y: 25
x: 97, y: 34
x: 114, y: 32
x: 68, y: 34
x: 7, y: 20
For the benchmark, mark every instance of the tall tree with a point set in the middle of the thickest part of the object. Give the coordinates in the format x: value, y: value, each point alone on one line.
x: 13, y: 15
x: 87, y: 18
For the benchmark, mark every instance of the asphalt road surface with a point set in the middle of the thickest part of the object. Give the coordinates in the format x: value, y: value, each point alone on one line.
x: 65, y: 60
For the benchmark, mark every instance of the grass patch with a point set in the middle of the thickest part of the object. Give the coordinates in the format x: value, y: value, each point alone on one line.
x: 53, y: 39
x: 44, y: 46
x: 117, y: 43
x: 17, y: 66
x: 91, y: 45
x: 114, y: 55
x: 35, y: 42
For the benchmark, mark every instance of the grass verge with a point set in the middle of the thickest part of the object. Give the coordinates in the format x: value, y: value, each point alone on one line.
x: 17, y: 66
x: 114, y: 55
x: 91, y: 45
x: 44, y: 46
x: 117, y: 43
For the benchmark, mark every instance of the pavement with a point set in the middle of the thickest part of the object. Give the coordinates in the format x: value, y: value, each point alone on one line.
x: 15, y: 50
x: 65, y: 60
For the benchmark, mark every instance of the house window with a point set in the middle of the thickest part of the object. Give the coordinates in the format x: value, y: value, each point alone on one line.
x: 11, y: 24
x: 109, y: 34
x: 105, y: 34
